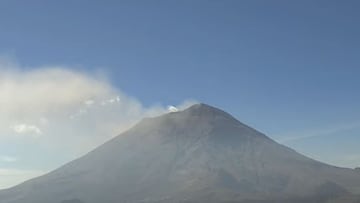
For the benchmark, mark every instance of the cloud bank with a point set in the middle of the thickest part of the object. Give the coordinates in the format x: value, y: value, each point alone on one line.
x: 56, y: 110
x: 26, y: 129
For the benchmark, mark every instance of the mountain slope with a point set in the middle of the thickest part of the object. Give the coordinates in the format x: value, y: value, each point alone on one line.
x: 201, y: 154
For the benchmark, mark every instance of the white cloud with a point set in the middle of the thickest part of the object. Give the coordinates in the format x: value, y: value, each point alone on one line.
x: 89, y: 102
x: 41, y: 101
x: 69, y: 112
x: 111, y: 101
x: 47, y: 89
x: 172, y: 109
x: 27, y: 129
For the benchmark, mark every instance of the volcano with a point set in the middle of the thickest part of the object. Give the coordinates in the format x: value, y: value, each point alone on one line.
x: 200, y: 154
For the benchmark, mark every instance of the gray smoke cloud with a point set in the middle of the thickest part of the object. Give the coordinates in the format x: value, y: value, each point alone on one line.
x: 57, y: 109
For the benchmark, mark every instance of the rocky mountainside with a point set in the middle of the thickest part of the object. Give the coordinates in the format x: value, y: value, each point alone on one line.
x: 201, y: 154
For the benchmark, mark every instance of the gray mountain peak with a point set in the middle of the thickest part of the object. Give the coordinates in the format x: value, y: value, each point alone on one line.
x: 200, y: 154
x: 205, y: 109
x: 198, y: 115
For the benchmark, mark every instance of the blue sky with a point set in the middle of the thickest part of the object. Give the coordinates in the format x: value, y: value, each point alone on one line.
x: 289, y: 69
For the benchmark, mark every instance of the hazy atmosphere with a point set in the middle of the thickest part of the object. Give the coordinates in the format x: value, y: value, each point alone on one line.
x: 74, y: 74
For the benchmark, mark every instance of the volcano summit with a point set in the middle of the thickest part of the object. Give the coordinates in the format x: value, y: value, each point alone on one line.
x: 201, y: 154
